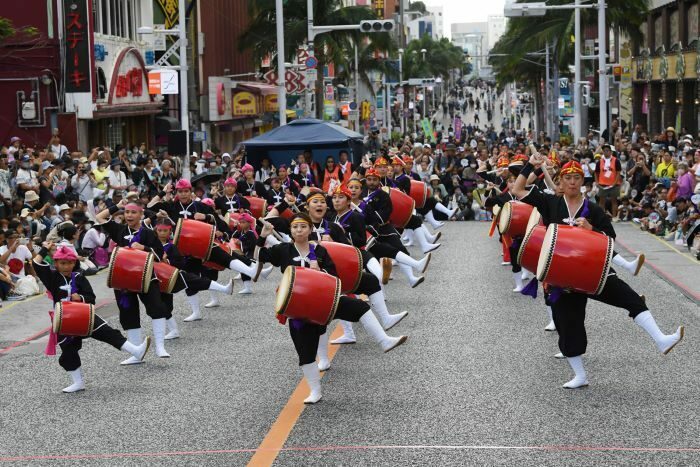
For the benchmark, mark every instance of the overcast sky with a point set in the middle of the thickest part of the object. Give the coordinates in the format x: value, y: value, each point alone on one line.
x: 467, y: 11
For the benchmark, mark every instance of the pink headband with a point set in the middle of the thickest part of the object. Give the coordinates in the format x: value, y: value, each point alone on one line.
x: 245, y: 217
x: 231, y: 181
x: 133, y: 207
x: 65, y: 253
x: 246, y: 168
x: 183, y: 184
x: 209, y: 202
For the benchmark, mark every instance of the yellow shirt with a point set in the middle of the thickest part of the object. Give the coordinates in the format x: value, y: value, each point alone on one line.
x: 99, y: 177
x: 665, y: 170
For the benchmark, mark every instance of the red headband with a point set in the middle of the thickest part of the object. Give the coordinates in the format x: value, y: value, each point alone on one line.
x: 572, y: 167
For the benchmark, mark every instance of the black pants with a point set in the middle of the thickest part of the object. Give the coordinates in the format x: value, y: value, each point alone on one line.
x: 369, y: 284
x: 388, y: 247
x: 224, y: 259
x: 429, y: 205
x: 414, y: 223
x: 306, y: 336
x: 128, y: 303
x: 513, y: 249
x: 191, y: 283
x: 195, y: 272
x: 70, y: 345
x: 569, y: 313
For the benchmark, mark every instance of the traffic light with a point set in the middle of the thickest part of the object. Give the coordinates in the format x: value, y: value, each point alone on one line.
x: 379, y: 25
x: 421, y: 81
x: 586, y: 95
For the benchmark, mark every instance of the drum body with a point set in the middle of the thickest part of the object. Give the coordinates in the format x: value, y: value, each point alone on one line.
x: 348, y: 263
x: 215, y: 266
x: 419, y: 192
x: 258, y: 207
x: 402, y: 207
x: 575, y: 258
x: 194, y: 238
x: 529, y: 252
x: 513, y: 218
x: 74, y: 319
x: 308, y: 295
x: 167, y: 275
x: 130, y: 269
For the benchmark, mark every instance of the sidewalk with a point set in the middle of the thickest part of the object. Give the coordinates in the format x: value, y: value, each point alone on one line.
x: 20, y: 320
x: 674, y: 264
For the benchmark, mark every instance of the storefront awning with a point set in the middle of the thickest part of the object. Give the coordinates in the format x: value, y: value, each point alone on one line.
x: 257, y: 88
x: 127, y: 110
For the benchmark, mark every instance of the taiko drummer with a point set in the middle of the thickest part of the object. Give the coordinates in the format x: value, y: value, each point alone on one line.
x: 569, y: 307
x: 68, y: 286
x: 306, y: 335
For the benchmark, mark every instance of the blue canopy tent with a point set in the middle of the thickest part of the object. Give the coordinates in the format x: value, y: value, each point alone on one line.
x: 285, y: 143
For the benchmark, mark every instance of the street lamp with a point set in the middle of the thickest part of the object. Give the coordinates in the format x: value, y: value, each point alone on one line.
x: 540, y: 9
x: 403, y: 99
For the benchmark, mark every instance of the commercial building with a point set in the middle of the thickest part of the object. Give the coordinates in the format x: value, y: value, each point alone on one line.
x: 664, y: 69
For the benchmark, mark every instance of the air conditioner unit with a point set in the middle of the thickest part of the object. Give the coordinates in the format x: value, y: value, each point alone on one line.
x: 29, y: 110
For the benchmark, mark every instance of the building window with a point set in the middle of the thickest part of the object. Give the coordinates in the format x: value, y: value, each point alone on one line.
x: 658, y: 32
x: 693, y: 23
x: 675, y: 33
x: 120, y: 18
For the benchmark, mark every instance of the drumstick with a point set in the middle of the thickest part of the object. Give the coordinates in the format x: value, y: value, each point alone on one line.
x: 356, y: 207
x: 256, y: 257
x: 274, y: 232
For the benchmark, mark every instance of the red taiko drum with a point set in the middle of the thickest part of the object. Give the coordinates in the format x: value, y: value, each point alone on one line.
x: 402, y: 207
x: 419, y: 192
x: 575, y: 258
x: 258, y: 206
x: 529, y: 252
x: 308, y: 294
x: 194, y: 238
x: 348, y: 264
x: 167, y: 275
x: 130, y: 270
x: 217, y: 267
x: 74, y: 319
x: 513, y: 218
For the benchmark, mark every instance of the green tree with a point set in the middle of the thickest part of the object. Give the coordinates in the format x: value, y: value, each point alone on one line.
x: 8, y: 30
x: 335, y: 47
x: 440, y: 57
x: 531, y: 34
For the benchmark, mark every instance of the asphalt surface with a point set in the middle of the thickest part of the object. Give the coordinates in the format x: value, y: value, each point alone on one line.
x: 475, y: 384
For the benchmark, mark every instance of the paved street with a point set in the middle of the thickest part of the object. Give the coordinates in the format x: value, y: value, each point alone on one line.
x: 475, y: 384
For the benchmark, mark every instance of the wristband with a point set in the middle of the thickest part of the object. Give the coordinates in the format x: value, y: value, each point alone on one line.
x: 43, y: 252
x: 162, y: 194
x: 113, y: 209
x: 527, y: 170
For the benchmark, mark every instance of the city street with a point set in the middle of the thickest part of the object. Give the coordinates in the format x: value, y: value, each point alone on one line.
x: 475, y: 384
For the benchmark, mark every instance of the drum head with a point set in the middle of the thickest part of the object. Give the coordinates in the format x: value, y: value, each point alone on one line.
x: 148, y: 272
x: 112, y: 258
x: 176, y: 234
x: 284, y: 290
x: 505, y: 216
x: 547, y: 252
x: 57, y: 315
x: 535, y: 218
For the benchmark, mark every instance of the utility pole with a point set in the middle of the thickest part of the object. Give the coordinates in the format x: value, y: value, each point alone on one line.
x: 403, y: 98
x: 602, y: 67
x: 357, y: 90
x: 281, y: 69
x: 184, y: 99
x: 578, y: 110
x: 547, y: 94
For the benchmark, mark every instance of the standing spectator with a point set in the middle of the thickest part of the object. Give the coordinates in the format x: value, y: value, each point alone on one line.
x: 639, y: 176
x: 26, y: 178
x: 56, y: 147
x: 116, y: 178
x: 5, y: 187
x: 81, y: 182
x: 608, y: 176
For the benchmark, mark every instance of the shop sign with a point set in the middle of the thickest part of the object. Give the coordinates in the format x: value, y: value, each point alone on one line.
x: 244, y: 103
x: 271, y: 103
x: 76, y: 46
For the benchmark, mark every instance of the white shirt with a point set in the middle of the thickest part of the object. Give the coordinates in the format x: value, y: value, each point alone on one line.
x: 93, y: 239
x: 22, y: 253
x: 116, y: 179
x: 27, y: 176
x: 58, y: 150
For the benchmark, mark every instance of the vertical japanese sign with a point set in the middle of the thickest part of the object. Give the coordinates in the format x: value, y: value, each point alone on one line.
x: 170, y: 10
x: 77, y: 45
x: 458, y: 128
x: 378, y: 6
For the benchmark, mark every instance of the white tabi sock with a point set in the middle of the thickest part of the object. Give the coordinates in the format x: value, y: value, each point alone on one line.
x: 348, y: 336
x: 664, y: 342
x: 322, y: 352
x: 378, y: 304
x: 580, y: 379
x: 196, y: 312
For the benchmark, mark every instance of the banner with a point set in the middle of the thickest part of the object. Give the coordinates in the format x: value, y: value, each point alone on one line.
x: 77, y: 46
x: 428, y: 130
x: 458, y: 128
x: 244, y: 104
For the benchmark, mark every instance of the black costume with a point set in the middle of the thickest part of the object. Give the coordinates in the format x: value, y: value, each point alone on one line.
x: 569, y: 308
x: 61, y: 288
x: 127, y: 301
x: 305, y: 335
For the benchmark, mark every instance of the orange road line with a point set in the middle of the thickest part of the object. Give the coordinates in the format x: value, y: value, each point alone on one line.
x: 275, y: 439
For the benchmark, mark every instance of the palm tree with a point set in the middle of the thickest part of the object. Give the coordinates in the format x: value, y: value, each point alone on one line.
x: 524, y: 35
x: 333, y: 47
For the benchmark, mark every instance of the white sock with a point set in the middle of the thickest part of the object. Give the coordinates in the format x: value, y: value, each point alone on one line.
x: 194, y: 304
x: 216, y: 287
x: 375, y: 268
x: 618, y: 260
x: 441, y: 207
x: 664, y: 342
x: 580, y: 378
x: 322, y: 352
